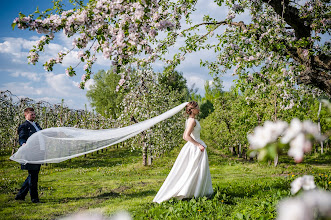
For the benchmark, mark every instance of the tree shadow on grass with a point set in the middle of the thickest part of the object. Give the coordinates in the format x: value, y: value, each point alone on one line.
x: 104, y: 196
x: 142, y: 194
x: 309, y: 159
x: 318, y: 159
x: 228, y: 194
x: 109, y: 158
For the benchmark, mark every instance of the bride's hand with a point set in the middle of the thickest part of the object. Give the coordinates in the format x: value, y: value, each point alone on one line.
x: 202, y: 148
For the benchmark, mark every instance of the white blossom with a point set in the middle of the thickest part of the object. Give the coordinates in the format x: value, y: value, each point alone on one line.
x: 306, y: 206
x: 305, y: 182
x: 298, y: 146
x: 293, y: 209
x: 268, y: 133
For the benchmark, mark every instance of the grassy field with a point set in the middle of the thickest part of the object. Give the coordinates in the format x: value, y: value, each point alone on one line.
x: 115, y: 180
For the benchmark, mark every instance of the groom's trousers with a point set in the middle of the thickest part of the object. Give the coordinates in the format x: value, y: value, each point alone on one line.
x: 30, y: 184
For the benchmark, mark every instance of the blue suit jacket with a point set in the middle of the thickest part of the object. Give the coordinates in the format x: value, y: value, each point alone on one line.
x: 25, y: 130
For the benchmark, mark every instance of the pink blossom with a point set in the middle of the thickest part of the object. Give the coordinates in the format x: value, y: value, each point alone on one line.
x: 80, y: 54
x: 230, y: 16
x: 83, y: 77
x: 67, y: 72
x: 121, y: 82
x: 305, y: 52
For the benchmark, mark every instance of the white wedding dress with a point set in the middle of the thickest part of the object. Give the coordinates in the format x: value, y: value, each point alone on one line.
x: 190, y: 175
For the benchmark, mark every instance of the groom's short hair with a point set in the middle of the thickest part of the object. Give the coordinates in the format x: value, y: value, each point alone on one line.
x: 28, y: 110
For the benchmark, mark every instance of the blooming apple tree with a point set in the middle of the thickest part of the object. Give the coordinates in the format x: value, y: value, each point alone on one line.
x: 146, y: 98
x: 282, y: 35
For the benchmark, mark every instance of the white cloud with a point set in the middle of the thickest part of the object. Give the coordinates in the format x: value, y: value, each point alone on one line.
x: 52, y: 88
x: 102, y: 61
x: 53, y: 48
x: 66, y: 41
x: 30, y: 75
x: 197, y: 81
x: 22, y: 88
x: 51, y: 100
x: 18, y: 49
x: 61, y: 84
x: 227, y: 83
x: 70, y: 59
x: 15, y: 47
x: 89, y: 83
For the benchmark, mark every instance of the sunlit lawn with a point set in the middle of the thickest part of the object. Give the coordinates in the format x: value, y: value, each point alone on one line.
x: 115, y: 180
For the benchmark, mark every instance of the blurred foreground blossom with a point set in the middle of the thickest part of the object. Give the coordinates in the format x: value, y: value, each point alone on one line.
x: 313, y: 204
x: 122, y: 215
x: 306, y: 182
x: 269, y: 133
x: 298, y: 135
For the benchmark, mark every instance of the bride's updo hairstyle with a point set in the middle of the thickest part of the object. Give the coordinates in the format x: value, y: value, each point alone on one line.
x: 190, y: 106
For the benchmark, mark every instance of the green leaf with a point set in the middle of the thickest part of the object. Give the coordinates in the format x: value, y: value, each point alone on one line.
x: 13, y: 25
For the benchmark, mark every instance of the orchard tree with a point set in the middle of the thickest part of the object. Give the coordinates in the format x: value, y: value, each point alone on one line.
x: 174, y: 80
x: 281, y: 35
x: 145, y: 99
x: 213, y: 90
x: 103, y: 95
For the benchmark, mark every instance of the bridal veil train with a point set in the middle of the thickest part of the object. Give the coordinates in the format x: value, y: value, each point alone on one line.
x: 53, y: 145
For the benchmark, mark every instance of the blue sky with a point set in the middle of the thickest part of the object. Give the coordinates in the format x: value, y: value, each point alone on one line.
x: 26, y: 80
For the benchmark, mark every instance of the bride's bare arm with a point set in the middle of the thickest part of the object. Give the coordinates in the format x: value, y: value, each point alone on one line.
x: 187, y: 134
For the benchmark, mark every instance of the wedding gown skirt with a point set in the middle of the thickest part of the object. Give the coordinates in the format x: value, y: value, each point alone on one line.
x: 190, y: 175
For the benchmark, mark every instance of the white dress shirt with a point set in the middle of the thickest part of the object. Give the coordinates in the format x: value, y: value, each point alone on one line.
x: 34, y: 125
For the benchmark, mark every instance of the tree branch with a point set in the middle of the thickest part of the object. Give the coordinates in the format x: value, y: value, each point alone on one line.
x: 291, y: 15
x: 240, y: 24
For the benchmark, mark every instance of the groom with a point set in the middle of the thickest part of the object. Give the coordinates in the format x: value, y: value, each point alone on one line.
x: 25, y: 130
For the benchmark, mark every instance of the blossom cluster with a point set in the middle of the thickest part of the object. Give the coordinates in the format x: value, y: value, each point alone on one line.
x: 298, y: 135
x: 127, y: 29
x: 311, y: 203
x: 305, y: 182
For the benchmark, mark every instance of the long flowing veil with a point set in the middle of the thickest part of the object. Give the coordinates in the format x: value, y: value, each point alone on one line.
x: 53, y: 145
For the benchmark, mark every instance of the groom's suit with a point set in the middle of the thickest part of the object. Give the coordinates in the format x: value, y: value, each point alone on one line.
x: 24, y: 131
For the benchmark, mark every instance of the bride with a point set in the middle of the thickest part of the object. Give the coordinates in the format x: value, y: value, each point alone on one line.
x: 190, y: 175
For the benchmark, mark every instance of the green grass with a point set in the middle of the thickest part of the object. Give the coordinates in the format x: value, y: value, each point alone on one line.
x: 116, y: 180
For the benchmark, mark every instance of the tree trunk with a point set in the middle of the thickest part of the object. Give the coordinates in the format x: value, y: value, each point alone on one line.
x: 144, y: 154
x: 319, y: 79
x: 319, y: 125
x: 144, y: 150
x: 239, y: 150
x: 233, y: 150
x: 150, y: 156
x: 276, y: 160
x: 275, y: 107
